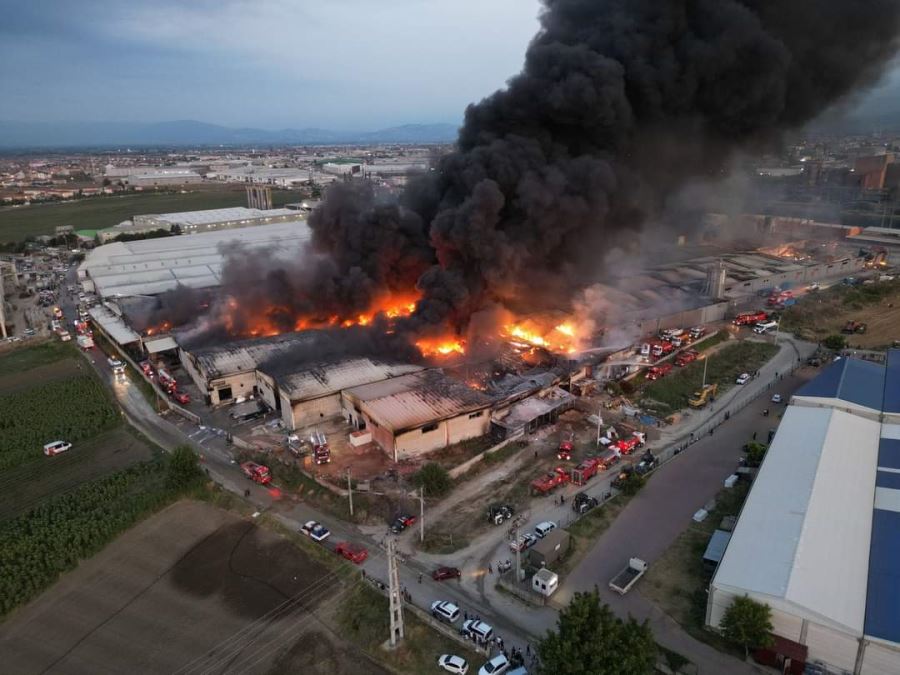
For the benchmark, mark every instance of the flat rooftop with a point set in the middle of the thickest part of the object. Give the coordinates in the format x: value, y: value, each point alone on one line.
x: 153, y: 266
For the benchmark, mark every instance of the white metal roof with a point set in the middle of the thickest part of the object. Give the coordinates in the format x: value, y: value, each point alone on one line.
x: 324, y: 379
x: 245, y: 355
x: 225, y: 215
x: 802, y: 540
x: 113, y: 325
x: 151, y: 266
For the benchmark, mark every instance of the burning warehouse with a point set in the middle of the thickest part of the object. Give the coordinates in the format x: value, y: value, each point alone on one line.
x: 417, y: 413
x: 313, y: 393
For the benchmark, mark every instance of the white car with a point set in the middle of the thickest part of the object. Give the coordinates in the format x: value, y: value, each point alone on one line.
x: 743, y: 378
x: 56, y: 447
x: 315, y: 531
x: 498, y: 664
x: 543, y: 529
x: 453, y: 664
x: 776, y: 398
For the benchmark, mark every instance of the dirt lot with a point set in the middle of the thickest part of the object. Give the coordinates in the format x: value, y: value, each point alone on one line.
x: 822, y: 314
x: 23, y: 486
x: 172, y: 594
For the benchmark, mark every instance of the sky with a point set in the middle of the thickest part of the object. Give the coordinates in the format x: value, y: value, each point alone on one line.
x: 273, y: 64
x: 339, y: 64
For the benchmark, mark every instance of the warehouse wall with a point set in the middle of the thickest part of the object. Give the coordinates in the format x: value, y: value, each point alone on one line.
x: 315, y: 410
x: 241, y: 384
x: 880, y: 660
x: 447, y: 432
x: 268, y: 390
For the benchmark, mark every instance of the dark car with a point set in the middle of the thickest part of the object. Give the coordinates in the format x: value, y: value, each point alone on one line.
x: 582, y: 503
x: 442, y: 573
x: 401, y: 522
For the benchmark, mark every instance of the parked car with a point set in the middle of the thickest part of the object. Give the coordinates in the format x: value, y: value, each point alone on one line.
x: 442, y: 573
x: 497, y: 665
x: 481, y: 631
x: 524, y: 541
x: 315, y: 531
x: 743, y: 378
x: 401, y: 522
x: 179, y: 396
x: 355, y: 553
x: 56, y: 447
x: 776, y: 398
x: 146, y: 368
x: 543, y: 529
x: 444, y: 610
x: 453, y: 664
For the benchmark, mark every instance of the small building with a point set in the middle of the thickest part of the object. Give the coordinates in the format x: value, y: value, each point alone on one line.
x: 715, y: 550
x: 545, y: 582
x: 313, y: 393
x: 549, y: 549
x: 524, y: 417
x: 417, y: 413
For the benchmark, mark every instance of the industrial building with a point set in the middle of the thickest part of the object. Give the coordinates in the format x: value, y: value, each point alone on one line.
x: 153, y: 266
x: 225, y: 373
x: 314, y: 392
x: 818, y: 539
x: 417, y: 413
x: 192, y: 222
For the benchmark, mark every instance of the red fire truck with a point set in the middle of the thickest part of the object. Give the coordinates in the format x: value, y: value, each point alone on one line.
x: 749, y: 318
x: 550, y: 481
x: 659, y: 371
x: 257, y: 472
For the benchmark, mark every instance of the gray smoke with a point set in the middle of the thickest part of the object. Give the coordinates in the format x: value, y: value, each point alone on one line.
x: 620, y: 103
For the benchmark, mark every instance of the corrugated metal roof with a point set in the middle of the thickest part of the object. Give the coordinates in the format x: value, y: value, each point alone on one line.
x: 324, y: 379
x: 849, y: 379
x: 883, y: 604
x: 892, y: 382
x: 113, y: 325
x: 160, y: 344
x: 413, y: 400
x: 807, y: 521
x: 246, y: 355
x: 716, y: 547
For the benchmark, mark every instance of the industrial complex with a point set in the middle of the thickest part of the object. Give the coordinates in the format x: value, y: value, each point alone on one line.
x: 818, y: 539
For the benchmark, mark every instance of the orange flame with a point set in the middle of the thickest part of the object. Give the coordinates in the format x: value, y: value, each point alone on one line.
x: 441, y: 347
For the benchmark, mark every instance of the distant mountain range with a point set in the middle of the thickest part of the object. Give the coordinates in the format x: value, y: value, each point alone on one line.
x: 192, y: 133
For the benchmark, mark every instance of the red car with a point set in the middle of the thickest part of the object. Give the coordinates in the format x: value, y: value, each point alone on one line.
x: 401, y: 522
x: 179, y: 396
x: 146, y: 368
x: 442, y: 573
x: 355, y: 553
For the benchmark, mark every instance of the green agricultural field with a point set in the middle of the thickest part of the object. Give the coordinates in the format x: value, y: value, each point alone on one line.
x: 97, y: 213
x: 23, y: 359
x: 671, y: 393
x: 72, y: 410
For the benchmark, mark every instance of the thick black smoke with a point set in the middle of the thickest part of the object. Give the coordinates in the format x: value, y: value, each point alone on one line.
x: 619, y: 104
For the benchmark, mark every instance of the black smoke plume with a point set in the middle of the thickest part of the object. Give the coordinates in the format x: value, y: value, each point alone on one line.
x: 620, y: 102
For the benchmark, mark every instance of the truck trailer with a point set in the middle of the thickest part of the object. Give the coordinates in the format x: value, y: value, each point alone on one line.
x: 624, y: 580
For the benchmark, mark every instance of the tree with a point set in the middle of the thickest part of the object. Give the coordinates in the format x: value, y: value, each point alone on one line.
x: 755, y: 453
x: 434, y: 478
x: 835, y: 342
x: 631, y: 484
x: 183, y: 471
x: 591, y: 639
x: 748, y: 623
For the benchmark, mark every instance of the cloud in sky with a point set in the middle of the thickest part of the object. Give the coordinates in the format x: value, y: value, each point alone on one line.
x: 273, y: 63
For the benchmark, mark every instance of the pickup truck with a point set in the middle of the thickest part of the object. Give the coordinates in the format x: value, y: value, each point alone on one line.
x: 550, y: 481
x: 624, y: 580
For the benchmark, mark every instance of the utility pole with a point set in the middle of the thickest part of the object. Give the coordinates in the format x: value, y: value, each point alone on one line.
x: 705, y: 362
x: 518, y: 554
x: 350, y: 490
x: 422, y: 513
x: 395, y: 604
x: 599, y: 423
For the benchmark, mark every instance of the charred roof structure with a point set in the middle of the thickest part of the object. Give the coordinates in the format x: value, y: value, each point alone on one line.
x: 419, y: 412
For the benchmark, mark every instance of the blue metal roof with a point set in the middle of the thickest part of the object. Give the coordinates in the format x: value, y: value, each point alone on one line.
x: 851, y: 380
x: 889, y: 453
x: 883, y: 595
x: 892, y: 382
x: 887, y: 479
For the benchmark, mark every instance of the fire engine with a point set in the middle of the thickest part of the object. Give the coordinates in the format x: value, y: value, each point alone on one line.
x: 320, y: 451
x: 659, y: 349
x: 780, y: 299
x: 566, y: 443
x: 550, y: 481
x: 257, y: 472
x: 749, y: 318
x: 657, y: 372
x: 686, y: 357
x: 626, y: 445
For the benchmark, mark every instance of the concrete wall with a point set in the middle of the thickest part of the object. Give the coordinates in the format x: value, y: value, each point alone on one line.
x: 241, y: 384
x: 268, y: 390
x: 315, y: 410
x: 454, y: 430
x: 838, y: 649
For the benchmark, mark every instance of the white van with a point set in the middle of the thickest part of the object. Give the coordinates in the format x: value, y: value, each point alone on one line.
x: 543, y: 529
x: 479, y: 629
x: 444, y: 611
x: 765, y: 326
x: 56, y: 447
